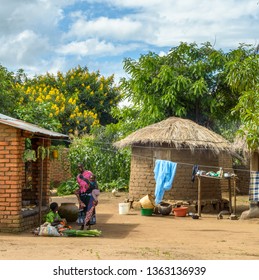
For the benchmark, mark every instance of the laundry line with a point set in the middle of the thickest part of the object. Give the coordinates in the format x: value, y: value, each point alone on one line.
x: 180, y: 163
x: 154, y: 158
x: 192, y: 164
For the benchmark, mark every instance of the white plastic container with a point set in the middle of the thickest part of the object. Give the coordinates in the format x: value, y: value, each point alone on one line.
x: 124, y: 208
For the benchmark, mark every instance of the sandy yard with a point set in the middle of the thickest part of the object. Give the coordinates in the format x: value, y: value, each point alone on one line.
x: 132, y: 236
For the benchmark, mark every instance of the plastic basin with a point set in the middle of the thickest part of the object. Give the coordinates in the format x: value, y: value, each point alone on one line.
x: 180, y: 211
x: 146, y: 212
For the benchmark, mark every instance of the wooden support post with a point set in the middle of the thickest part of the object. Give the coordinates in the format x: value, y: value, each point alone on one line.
x: 230, y: 196
x: 235, y: 199
x: 254, y: 161
x: 199, y: 196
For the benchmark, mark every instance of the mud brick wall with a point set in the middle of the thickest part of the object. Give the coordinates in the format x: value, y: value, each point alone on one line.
x: 226, y: 162
x: 142, y: 179
x: 32, y: 221
x: 12, y: 179
x: 60, y: 169
x: 11, y: 167
x: 243, y: 179
x: 141, y: 175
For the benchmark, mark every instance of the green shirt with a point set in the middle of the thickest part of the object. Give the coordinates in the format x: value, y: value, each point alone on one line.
x: 51, y: 217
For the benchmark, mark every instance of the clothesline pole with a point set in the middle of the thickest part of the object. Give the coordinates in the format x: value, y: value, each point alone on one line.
x: 235, y: 199
x: 199, y: 196
x: 230, y: 195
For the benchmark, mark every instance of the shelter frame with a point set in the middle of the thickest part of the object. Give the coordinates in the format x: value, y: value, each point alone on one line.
x: 230, y: 179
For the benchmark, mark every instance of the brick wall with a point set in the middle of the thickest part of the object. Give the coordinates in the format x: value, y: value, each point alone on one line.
x: 243, y: 179
x: 11, y: 149
x: 12, y: 180
x: 142, y: 179
x: 60, y: 168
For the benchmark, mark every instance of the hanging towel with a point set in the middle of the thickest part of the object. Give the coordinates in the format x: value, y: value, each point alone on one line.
x: 254, y: 186
x: 164, y: 176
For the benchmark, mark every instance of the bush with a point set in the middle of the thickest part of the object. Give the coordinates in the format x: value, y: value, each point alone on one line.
x: 110, y: 165
x: 120, y: 184
x: 67, y: 187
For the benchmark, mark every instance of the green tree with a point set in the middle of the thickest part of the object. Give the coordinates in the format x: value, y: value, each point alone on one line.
x: 72, y: 102
x: 242, y: 77
x: 189, y: 81
x: 7, y: 93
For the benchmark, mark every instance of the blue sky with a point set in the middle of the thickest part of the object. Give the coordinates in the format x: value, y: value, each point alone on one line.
x: 42, y: 36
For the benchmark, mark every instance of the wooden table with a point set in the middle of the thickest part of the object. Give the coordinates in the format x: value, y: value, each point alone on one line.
x: 232, y: 178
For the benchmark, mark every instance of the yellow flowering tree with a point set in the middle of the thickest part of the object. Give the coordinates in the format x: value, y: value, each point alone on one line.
x: 76, y: 101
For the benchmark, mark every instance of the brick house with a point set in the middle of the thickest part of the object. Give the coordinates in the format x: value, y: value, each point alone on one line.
x: 60, y: 170
x: 186, y: 143
x: 23, y: 182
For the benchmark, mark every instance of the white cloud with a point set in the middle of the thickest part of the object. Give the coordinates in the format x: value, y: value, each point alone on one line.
x: 23, y: 48
x: 122, y: 29
x: 93, y: 47
x: 17, y: 15
x: 169, y: 22
x: 47, y: 35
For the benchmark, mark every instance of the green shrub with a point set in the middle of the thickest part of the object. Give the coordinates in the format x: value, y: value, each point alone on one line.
x: 110, y: 165
x: 67, y: 187
x: 120, y: 184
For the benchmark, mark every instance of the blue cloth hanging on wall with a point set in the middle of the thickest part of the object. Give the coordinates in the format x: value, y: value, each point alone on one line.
x: 164, y: 176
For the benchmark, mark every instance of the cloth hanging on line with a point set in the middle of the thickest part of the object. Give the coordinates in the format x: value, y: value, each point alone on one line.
x: 254, y: 186
x: 164, y: 176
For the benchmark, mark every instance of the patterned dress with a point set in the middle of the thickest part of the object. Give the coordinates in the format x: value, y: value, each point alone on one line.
x: 86, y: 215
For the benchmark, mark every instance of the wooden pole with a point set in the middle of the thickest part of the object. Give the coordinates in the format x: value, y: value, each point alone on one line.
x: 199, y: 196
x: 254, y: 161
x: 235, y: 199
x: 230, y: 196
x: 41, y: 188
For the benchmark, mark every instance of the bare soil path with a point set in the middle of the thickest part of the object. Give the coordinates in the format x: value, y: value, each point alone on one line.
x: 132, y: 236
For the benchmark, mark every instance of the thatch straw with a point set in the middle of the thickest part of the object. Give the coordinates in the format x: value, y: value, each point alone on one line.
x: 178, y: 133
x: 240, y: 146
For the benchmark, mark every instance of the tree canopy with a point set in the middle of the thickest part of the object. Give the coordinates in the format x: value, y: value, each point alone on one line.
x: 72, y: 102
x: 243, y: 76
x: 190, y: 81
x: 7, y: 93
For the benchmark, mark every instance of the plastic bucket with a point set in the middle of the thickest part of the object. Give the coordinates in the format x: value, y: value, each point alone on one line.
x: 124, y: 208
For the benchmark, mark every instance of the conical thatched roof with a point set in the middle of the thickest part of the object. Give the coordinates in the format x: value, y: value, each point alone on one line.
x: 178, y: 133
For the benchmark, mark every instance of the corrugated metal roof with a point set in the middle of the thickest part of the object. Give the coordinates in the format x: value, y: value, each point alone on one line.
x: 30, y: 127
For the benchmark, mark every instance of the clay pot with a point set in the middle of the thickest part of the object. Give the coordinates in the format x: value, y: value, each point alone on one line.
x: 165, y: 208
x: 69, y: 211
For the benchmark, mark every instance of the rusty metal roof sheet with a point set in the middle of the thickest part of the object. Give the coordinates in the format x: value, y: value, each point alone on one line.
x: 37, y: 130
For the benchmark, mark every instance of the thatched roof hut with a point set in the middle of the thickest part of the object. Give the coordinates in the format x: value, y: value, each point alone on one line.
x: 177, y: 132
x: 184, y: 142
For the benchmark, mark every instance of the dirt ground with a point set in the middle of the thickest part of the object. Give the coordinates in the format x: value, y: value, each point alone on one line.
x: 136, y: 237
